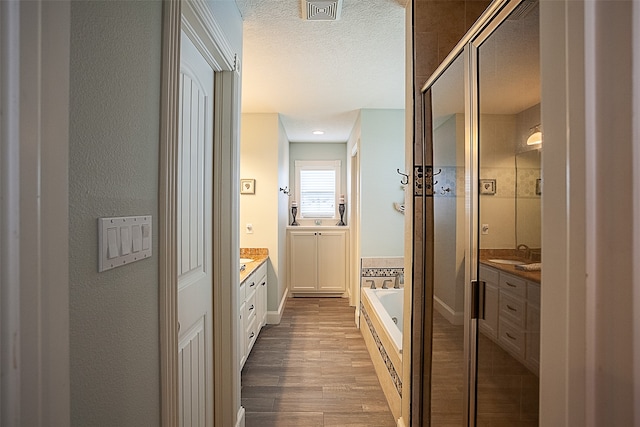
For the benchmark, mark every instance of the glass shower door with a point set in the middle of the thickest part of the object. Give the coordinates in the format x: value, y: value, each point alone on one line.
x: 449, y: 386
x: 508, y: 226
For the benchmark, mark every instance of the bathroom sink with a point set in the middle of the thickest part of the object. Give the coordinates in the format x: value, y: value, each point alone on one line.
x: 506, y: 261
x: 245, y: 260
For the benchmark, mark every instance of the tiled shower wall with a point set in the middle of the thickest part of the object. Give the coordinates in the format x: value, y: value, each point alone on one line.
x: 379, y: 270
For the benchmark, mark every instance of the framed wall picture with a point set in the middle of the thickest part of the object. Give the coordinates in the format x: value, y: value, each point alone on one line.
x: 247, y: 186
x: 487, y: 186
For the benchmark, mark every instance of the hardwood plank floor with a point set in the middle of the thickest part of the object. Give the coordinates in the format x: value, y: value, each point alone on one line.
x: 313, y: 369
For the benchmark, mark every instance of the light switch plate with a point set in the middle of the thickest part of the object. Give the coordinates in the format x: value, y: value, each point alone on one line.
x: 123, y: 240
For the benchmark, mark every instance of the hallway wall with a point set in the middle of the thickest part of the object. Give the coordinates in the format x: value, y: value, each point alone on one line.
x: 113, y: 171
x: 264, y: 157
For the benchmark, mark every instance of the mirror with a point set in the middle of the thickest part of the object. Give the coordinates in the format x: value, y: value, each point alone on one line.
x: 527, y: 200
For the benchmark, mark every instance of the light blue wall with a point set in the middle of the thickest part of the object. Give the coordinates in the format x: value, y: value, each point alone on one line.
x: 381, y: 153
x: 318, y: 151
x: 113, y: 171
x: 228, y: 17
x: 115, y: 82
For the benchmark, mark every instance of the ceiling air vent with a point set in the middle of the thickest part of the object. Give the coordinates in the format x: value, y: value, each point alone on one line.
x: 321, y: 10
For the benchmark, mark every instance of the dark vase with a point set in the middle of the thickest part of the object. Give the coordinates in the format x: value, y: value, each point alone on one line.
x: 341, y: 210
x: 294, y: 212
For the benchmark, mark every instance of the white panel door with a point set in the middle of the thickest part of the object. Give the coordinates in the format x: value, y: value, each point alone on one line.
x: 195, y: 158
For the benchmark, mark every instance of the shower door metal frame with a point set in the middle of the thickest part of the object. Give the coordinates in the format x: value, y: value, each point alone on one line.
x: 422, y: 312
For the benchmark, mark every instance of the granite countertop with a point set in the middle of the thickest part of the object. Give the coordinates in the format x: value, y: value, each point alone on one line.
x: 259, y: 257
x: 487, y: 254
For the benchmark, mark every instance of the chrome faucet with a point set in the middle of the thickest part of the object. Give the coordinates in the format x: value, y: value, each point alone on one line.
x: 384, y: 283
x: 399, y: 281
x: 373, y: 283
x: 525, y: 248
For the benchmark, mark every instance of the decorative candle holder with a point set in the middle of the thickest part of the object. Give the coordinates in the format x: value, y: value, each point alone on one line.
x: 294, y: 212
x: 341, y: 210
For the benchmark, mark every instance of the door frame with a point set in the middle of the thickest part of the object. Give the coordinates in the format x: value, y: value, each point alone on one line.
x: 34, y: 221
x: 195, y: 18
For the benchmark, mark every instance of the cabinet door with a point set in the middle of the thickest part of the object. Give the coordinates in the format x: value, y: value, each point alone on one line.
x: 533, y: 336
x: 490, y: 323
x: 261, y: 302
x: 242, y: 346
x: 332, y: 261
x: 303, y: 258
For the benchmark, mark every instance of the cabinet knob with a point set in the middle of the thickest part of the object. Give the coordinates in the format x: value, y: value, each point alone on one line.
x: 251, y: 308
x: 252, y: 284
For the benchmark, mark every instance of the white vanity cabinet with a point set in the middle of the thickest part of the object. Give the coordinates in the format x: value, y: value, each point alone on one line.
x: 512, y: 314
x: 318, y: 260
x: 491, y: 278
x: 252, y: 310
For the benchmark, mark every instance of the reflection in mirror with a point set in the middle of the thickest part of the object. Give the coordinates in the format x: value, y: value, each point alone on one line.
x: 448, y: 139
x: 528, y: 196
x: 509, y: 222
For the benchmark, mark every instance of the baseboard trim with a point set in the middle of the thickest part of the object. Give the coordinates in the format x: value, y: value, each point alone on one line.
x: 273, y: 317
x: 240, y: 422
x: 455, y: 318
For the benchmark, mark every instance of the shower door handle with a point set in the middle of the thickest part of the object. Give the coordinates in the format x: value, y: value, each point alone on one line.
x: 477, y: 299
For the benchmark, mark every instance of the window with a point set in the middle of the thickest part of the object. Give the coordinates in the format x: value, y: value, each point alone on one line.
x: 317, y: 185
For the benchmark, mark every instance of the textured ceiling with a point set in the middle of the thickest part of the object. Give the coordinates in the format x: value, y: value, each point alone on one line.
x: 318, y: 74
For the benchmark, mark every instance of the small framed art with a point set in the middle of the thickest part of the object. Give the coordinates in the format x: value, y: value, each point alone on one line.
x: 487, y: 186
x: 247, y: 186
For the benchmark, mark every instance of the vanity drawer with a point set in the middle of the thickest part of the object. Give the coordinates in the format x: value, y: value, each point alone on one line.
x: 250, y: 307
x: 513, y: 284
x: 490, y: 275
x: 251, y: 334
x: 512, y: 338
x: 513, y: 308
x: 251, y: 284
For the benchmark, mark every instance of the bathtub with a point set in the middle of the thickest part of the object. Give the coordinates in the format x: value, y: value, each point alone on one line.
x: 388, y: 304
x: 381, y: 326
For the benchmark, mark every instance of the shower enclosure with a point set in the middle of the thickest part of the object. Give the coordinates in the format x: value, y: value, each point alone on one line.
x: 478, y: 213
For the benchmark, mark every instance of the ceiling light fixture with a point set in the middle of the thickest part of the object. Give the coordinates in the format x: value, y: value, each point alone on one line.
x: 535, y: 136
x: 318, y: 132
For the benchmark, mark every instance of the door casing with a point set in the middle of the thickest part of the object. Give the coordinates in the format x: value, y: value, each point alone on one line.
x: 195, y: 18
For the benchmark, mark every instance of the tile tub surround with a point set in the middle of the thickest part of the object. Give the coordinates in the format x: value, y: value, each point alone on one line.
x: 380, y: 269
x: 259, y: 257
x: 386, y: 360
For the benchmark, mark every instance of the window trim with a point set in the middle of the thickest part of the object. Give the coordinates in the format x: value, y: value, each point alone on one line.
x: 334, y: 165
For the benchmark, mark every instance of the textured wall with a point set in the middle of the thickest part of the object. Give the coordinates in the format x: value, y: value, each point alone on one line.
x: 283, y: 211
x: 113, y: 171
x: 381, y: 153
x: 259, y: 160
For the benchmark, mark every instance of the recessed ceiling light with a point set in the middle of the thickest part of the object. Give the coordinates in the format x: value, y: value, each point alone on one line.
x: 318, y: 132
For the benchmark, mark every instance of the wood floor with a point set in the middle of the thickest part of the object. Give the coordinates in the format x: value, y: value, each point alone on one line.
x: 313, y: 369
